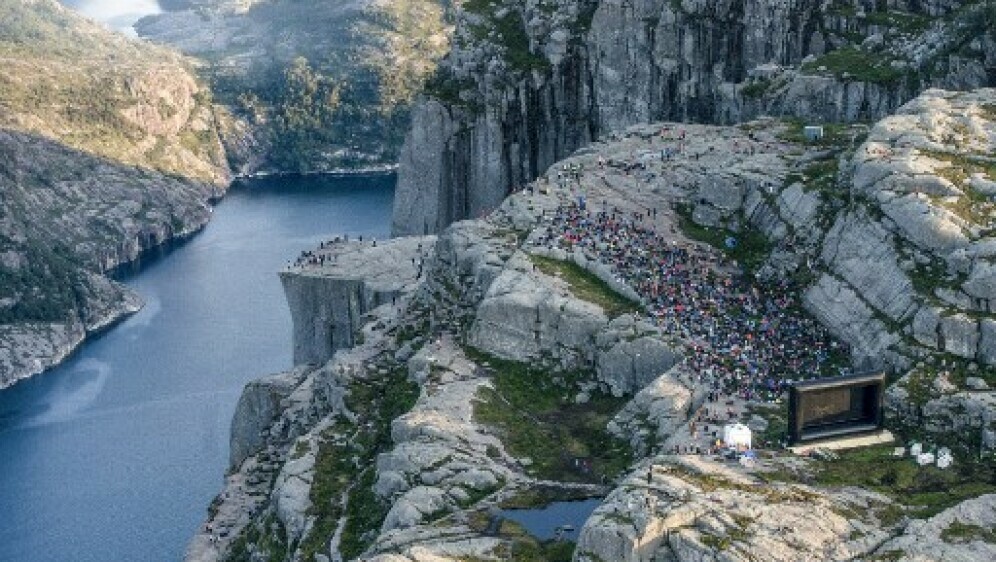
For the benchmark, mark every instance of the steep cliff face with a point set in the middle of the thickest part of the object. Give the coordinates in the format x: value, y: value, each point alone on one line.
x: 513, y: 97
x: 108, y: 147
x: 328, y: 309
x: 508, y: 103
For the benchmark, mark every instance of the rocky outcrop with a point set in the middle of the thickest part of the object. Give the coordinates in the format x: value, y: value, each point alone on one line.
x: 692, y: 509
x: 910, y: 259
x: 957, y: 533
x: 261, y: 403
x: 328, y: 304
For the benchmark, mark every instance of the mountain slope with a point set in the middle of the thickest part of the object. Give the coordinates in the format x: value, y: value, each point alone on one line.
x: 107, y: 147
x: 364, y: 59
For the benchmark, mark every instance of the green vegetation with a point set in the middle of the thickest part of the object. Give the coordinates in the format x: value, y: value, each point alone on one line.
x: 260, y: 542
x: 961, y: 166
x: 537, y: 418
x: 925, y: 491
x: 961, y: 532
x: 344, y: 464
x: 716, y: 542
x: 446, y: 88
x: 73, y: 81
x: 751, y: 248
x: 509, y: 30
x: 888, y: 556
x: 47, y: 287
x: 776, y: 415
x: 852, y: 63
x: 957, y: 369
x: 901, y: 21
x: 304, y: 115
x: 835, y: 135
x: 989, y: 111
x: 525, y: 548
x: 586, y: 286
x: 927, y: 278
x: 821, y: 176
x: 365, y: 512
x: 972, y: 205
x: 756, y: 89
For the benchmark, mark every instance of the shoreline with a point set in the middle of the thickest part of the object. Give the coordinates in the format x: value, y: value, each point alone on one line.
x: 381, y: 170
x: 63, y: 351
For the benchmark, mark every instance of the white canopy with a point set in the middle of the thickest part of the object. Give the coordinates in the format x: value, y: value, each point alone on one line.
x: 737, y: 435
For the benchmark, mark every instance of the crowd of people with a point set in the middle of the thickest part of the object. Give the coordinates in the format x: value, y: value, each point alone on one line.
x: 748, y: 338
x: 318, y: 258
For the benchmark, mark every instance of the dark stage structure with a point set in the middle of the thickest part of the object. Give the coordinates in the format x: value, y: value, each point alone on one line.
x: 835, y: 407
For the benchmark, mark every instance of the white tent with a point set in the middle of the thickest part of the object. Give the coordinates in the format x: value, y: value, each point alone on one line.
x: 737, y: 435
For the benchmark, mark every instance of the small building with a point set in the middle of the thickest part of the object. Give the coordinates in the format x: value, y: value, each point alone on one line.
x: 813, y: 132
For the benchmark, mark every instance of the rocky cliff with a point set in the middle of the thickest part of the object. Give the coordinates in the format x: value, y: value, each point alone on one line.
x: 590, y: 337
x: 108, y: 147
x: 309, y: 85
x: 527, y: 83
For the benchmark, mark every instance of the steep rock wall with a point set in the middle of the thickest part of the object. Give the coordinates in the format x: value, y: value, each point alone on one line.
x: 328, y: 304
x: 504, y: 105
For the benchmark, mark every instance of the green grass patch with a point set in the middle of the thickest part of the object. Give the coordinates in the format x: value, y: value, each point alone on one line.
x: 925, y: 491
x: 901, y: 21
x: 960, y: 166
x: 927, y: 278
x: 888, y: 556
x: 756, y: 89
x: 534, y: 413
x: 523, y: 547
x: 345, y: 449
x: 365, y: 513
x: 958, y: 532
x: 989, y: 111
x: 751, y: 249
x: 821, y: 176
x: 835, y: 135
x: 586, y: 286
x: 852, y: 63
x: 777, y: 417
x: 265, y: 541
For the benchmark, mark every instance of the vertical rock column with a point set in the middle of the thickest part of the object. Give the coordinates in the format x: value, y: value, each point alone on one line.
x: 325, y: 311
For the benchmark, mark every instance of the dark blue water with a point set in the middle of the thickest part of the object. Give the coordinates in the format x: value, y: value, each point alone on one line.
x: 542, y: 522
x: 116, y: 454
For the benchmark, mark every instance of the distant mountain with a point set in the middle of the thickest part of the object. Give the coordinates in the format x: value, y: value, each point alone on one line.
x: 108, y: 146
x: 316, y: 84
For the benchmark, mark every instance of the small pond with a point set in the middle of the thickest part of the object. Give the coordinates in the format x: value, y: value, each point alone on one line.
x: 542, y: 522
